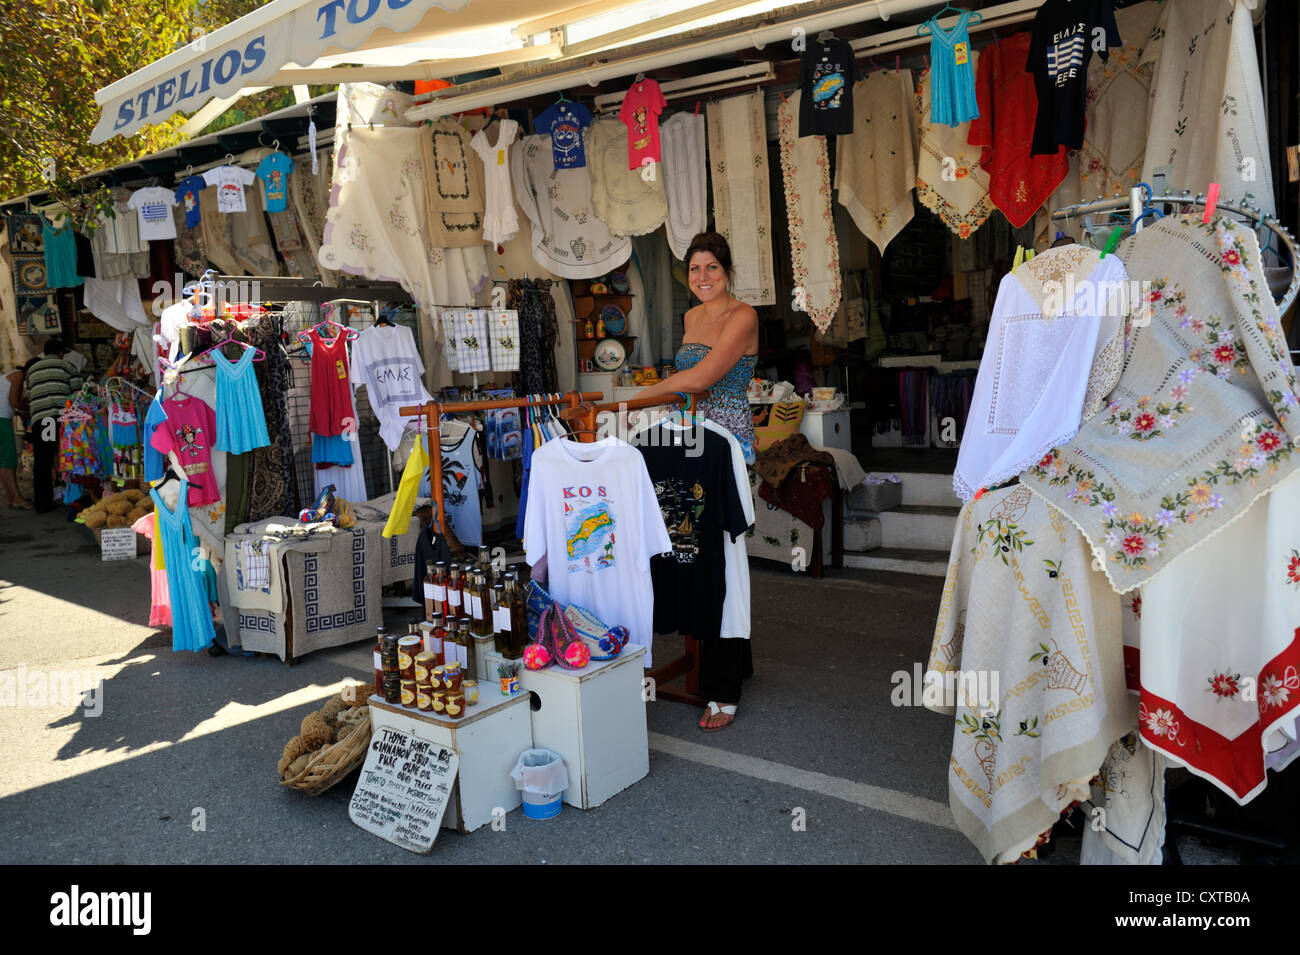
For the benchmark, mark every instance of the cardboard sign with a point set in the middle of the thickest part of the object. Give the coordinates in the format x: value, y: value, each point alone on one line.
x: 117, y: 543
x: 404, y: 787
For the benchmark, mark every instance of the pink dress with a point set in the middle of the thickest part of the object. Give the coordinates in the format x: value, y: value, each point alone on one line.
x: 160, y: 611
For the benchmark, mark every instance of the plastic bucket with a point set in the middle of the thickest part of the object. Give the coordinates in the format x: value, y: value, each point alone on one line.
x: 540, y: 806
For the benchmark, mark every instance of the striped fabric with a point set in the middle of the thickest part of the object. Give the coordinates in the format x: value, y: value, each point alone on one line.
x: 49, y: 383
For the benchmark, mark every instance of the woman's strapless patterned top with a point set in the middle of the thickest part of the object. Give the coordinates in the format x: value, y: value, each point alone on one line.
x: 728, y: 400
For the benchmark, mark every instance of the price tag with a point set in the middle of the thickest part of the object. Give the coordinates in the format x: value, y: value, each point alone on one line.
x: 959, y: 51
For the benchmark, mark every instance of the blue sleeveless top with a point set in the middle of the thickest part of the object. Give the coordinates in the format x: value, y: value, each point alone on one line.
x: 728, y: 400
x: 952, y: 79
x: 241, y: 421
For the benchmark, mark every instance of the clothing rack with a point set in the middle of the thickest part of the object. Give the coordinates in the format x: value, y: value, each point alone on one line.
x: 433, y: 411
x: 1244, y: 209
x: 688, y: 663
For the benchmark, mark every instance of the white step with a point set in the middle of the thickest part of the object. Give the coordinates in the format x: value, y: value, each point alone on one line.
x: 861, y: 534
x: 902, y: 560
x: 918, y: 526
x: 933, y: 490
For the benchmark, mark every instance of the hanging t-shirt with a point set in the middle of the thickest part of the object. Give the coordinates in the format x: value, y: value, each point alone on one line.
x: 153, y: 206
x: 462, y: 470
x: 1064, y: 35
x: 826, y: 78
x: 230, y: 182
x: 153, y: 459
x: 386, y: 361
x: 274, y: 172
x: 592, y: 513
x: 190, y: 429
x: 187, y: 196
x: 564, y: 123
x: 640, y: 111
x: 700, y: 502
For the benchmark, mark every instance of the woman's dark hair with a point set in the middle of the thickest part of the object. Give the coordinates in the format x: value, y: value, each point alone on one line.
x: 715, y: 245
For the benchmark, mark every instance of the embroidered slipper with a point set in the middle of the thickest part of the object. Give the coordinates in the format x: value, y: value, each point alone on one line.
x: 714, y: 709
x: 538, y: 654
x: 570, y: 652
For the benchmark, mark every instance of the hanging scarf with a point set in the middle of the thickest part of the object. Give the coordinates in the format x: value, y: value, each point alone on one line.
x: 815, y: 256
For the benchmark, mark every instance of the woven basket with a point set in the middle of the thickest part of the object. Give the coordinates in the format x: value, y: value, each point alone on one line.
x: 330, y: 764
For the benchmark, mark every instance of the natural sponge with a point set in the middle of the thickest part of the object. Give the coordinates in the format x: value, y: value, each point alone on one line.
x: 315, y: 731
x: 95, y: 518
x: 117, y: 520
x: 292, y: 750
x: 332, y: 708
x: 136, y: 514
x: 134, y: 495
x: 118, y: 507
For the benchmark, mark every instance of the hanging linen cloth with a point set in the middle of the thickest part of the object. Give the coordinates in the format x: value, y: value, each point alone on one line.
x: 1028, y: 656
x: 814, y: 249
x: 1033, y: 381
x: 741, y: 199
x: 191, y: 615
x: 681, y: 139
x: 376, y: 221
x: 241, y: 422
x: 875, y: 166
x: 949, y: 179
x: 500, y: 222
x: 1207, y: 118
x: 453, y: 189
x: 568, y: 238
x: 630, y: 201
x: 1018, y: 181
x: 1220, y: 675
x: 1203, y: 419
x: 952, y: 93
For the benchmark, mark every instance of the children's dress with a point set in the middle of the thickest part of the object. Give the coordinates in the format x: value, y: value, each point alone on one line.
x: 241, y: 421
x: 952, y: 81
x: 191, y: 615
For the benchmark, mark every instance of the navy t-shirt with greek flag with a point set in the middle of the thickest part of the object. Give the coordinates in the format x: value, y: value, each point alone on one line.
x: 1065, y: 35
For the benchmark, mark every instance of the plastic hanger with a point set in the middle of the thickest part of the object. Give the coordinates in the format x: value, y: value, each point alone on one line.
x: 924, y: 28
x: 198, y: 359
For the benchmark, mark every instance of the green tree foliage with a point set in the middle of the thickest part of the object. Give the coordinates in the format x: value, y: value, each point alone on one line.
x: 54, y: 55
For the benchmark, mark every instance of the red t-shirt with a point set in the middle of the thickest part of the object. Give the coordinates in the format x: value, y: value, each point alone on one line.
x: 1019, y: 183
x: 189, y: 430
x: 640, y: 113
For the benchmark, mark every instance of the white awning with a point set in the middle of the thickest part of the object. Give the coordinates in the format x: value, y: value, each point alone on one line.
x: 254, y: 49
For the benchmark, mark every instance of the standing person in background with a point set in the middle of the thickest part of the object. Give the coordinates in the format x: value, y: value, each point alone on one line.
x: 718, y: 354
x: 11, y: 401
x: 50, y: 382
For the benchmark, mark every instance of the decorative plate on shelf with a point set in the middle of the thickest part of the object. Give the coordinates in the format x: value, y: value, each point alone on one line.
x: 618, y: 282
x: 609, y: 354
x: 615, y: 320
x: 599, y: 288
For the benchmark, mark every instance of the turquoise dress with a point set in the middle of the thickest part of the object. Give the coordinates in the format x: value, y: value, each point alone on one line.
x: 187, y: 589
x: 241, y: 420
x: 952, y: 80
x: 60, y: 256
x: 728, y: 400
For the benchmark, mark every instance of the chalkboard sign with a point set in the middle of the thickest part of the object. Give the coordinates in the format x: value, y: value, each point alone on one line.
x: 117, y: 543
x: 404, y: 787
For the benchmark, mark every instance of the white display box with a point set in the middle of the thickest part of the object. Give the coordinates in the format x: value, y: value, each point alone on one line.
x: 594, y: 718
x: 827, y: 429
x: 489, y: 740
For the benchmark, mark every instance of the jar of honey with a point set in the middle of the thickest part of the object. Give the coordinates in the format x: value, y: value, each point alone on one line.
x: 455, y: 704
x: 437, y: 679
x: 423, y: 697
x: 438, y: 702
x: 424, y: 666
x: 470, y: 689
x: 452, y: 676
x: 407, y: 649
x: 408, y: 692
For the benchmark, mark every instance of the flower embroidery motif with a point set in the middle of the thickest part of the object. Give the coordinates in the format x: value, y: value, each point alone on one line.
x: 1225, y: 686
x: 1293, y: 569
x: 1141, y: 424
x: 1161, y: 722
x: 1273, y: 692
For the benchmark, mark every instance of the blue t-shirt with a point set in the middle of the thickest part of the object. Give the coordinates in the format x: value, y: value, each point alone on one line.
x: 153, y: 458
x: 564, y: 123
x: 187, y: 196
x: 274, y: 172
x: 460, y: 482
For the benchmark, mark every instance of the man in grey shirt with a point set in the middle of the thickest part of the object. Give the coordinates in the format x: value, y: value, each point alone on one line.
x: 50, y: 381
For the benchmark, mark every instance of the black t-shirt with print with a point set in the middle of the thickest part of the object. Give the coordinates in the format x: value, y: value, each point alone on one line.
x: 826, y: 80
x: 696, y: 486
x: 1064, y: 37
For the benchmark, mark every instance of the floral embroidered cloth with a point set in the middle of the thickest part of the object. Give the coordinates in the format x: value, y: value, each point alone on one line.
x: 875, y: 166
x: 1219, y: 658
x: 685, y: 179
x: 453, y: 189
x: 1202, y: 420
x: 1130, y: 791
x: 1052, y: 316
x: 1027, y: 654
x: 814, y: 250
x: 949, y: 179
x: 742, y: 210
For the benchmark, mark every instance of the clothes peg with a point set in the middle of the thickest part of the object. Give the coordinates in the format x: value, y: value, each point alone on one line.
x: 1112, y: 241
x: 898, y: 63
x: 1211, y: 200
x: 697, y: 107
